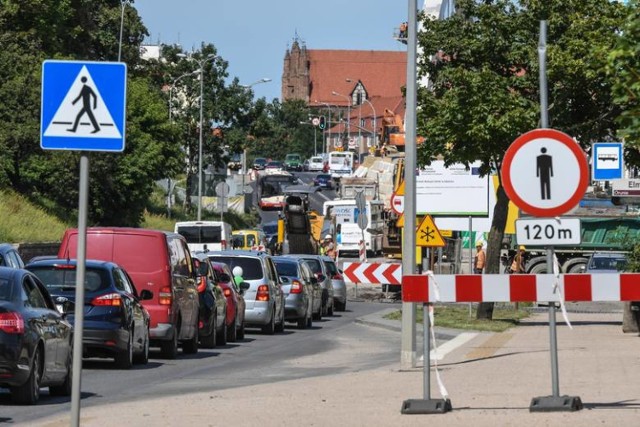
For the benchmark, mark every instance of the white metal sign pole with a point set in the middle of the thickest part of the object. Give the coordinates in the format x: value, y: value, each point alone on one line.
x: 408, y: 339
x: 81, y: 257
x: 544, y: 123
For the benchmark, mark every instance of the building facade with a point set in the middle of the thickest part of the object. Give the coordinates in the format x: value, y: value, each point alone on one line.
x: 352, y: 88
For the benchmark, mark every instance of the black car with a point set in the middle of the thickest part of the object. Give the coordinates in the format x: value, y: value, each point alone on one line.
x: 213, y: 305
x: 9, y: 256
x: 35, y: 339
x: 115, y: 322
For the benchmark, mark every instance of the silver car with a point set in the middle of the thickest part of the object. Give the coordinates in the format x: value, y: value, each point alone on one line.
x: 303, y: 294
x: 319, y: 269
x: 339, y: 286
x: 264, y: 300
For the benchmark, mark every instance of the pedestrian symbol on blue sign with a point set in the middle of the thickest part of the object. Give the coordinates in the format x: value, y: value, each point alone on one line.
x: 83, y: 105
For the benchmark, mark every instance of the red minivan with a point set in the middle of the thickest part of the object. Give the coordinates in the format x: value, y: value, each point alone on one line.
x: 158, y: 261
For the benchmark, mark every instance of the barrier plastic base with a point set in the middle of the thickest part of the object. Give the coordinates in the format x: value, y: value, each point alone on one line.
x: 426, y: 406
x: 555, y: 404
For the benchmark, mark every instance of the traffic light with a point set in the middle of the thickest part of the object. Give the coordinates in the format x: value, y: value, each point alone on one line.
x: 322, y: 125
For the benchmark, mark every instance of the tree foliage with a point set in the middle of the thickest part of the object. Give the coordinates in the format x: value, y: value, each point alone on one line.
x: 624, y: 69
x: 483, y: 90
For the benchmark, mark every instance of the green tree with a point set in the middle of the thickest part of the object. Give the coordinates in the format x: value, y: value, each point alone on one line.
x: 624, y: 69
x: 483, y: 69
x: 34, y: 30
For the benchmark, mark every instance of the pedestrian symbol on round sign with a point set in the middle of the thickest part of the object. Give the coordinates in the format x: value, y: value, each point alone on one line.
x: 545, y: 172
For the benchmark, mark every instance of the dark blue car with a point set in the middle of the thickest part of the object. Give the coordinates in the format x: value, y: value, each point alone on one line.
x: 115, y: 322
x: 35, y: 339
x: 323, y: 180
x: 9, y: 256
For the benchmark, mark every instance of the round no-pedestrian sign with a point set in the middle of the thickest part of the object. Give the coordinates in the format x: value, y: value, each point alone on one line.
x: 545, y: 173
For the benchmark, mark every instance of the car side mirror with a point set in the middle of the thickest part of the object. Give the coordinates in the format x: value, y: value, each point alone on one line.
x: 314, y: 280
x: 244, y: 286
x: 284, y: 279
x: 145, y: 295
x: 224, y: 277
x: 64, y: 305
x: 320, y: 277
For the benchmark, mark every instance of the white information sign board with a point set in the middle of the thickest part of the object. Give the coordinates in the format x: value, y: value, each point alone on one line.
x: 452, y: 191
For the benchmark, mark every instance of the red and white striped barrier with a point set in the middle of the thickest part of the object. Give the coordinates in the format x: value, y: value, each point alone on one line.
x: 362, y: 251
x: 362, y: 272
x: 520, y: 287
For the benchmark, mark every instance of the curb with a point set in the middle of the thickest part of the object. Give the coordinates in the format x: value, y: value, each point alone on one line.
x: 377, y: 320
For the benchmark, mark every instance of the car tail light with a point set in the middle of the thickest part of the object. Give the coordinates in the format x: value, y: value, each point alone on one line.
x: 296, y: 287
x: 337, y: 276
x: 64, y: 267
x: 165, y: 296
x: 114, y: 300
x: 202, y: 285
x: 227, y: 292
x: 263, y: 293
x: 11, y: 323
x: 223, y: 244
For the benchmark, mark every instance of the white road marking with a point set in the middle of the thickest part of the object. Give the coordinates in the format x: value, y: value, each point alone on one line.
x: 450, y: 345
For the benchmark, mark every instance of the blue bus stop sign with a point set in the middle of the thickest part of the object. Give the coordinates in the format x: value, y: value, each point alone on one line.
x: 83, y: 105
x: 607, y: 161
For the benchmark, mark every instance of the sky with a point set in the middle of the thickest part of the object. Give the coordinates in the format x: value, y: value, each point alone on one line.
x: 253, y: 36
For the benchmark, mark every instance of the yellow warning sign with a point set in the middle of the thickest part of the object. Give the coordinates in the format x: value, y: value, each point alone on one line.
x: 400, y: 190
x: 428, y: 234
x: 446, y: 233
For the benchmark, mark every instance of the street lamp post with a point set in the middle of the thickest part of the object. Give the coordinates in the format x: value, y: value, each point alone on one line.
x: 123, y: 2
x: 175, y: 81
x: 375, y: 124
x: 262, y: 80
x: 334, y: 93
x: 201, y: 63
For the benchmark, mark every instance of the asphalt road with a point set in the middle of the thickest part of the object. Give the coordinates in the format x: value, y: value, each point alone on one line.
x: 334, y: 345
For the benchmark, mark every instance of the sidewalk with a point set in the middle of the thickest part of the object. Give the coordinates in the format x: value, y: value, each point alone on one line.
x: 491, y: 380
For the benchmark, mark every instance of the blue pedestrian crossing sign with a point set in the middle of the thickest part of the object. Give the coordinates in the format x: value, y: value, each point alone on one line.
x: 83, y: 105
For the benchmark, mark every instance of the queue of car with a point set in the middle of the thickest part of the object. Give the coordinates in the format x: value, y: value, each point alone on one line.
x: 147, y: 288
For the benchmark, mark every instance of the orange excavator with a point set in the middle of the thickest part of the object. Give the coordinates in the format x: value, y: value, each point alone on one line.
x: 393, y: 133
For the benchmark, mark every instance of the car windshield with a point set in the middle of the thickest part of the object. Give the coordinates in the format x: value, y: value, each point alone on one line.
x: 331, y: 267
x: 314, y: 265
x: 201, y: 234
x: 259, y: 161
x: 251, y: 267
x: 274, y: 164
x: 286, y: 268
x: 237, y: 241
x: 323, y: 177
x: 64, y: 279
x: 270, y: 228
x: 5, y: 290
x: 607, y: 263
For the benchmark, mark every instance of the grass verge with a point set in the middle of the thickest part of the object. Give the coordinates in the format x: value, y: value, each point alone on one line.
x: 24, y: 222
x: 457, y: 316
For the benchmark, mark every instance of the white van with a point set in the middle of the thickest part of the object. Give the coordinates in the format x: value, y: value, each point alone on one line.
x: 205, y: 235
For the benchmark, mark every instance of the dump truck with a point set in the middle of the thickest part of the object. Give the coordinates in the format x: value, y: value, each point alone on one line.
x: 599, y: 234
x: 379, y: 178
